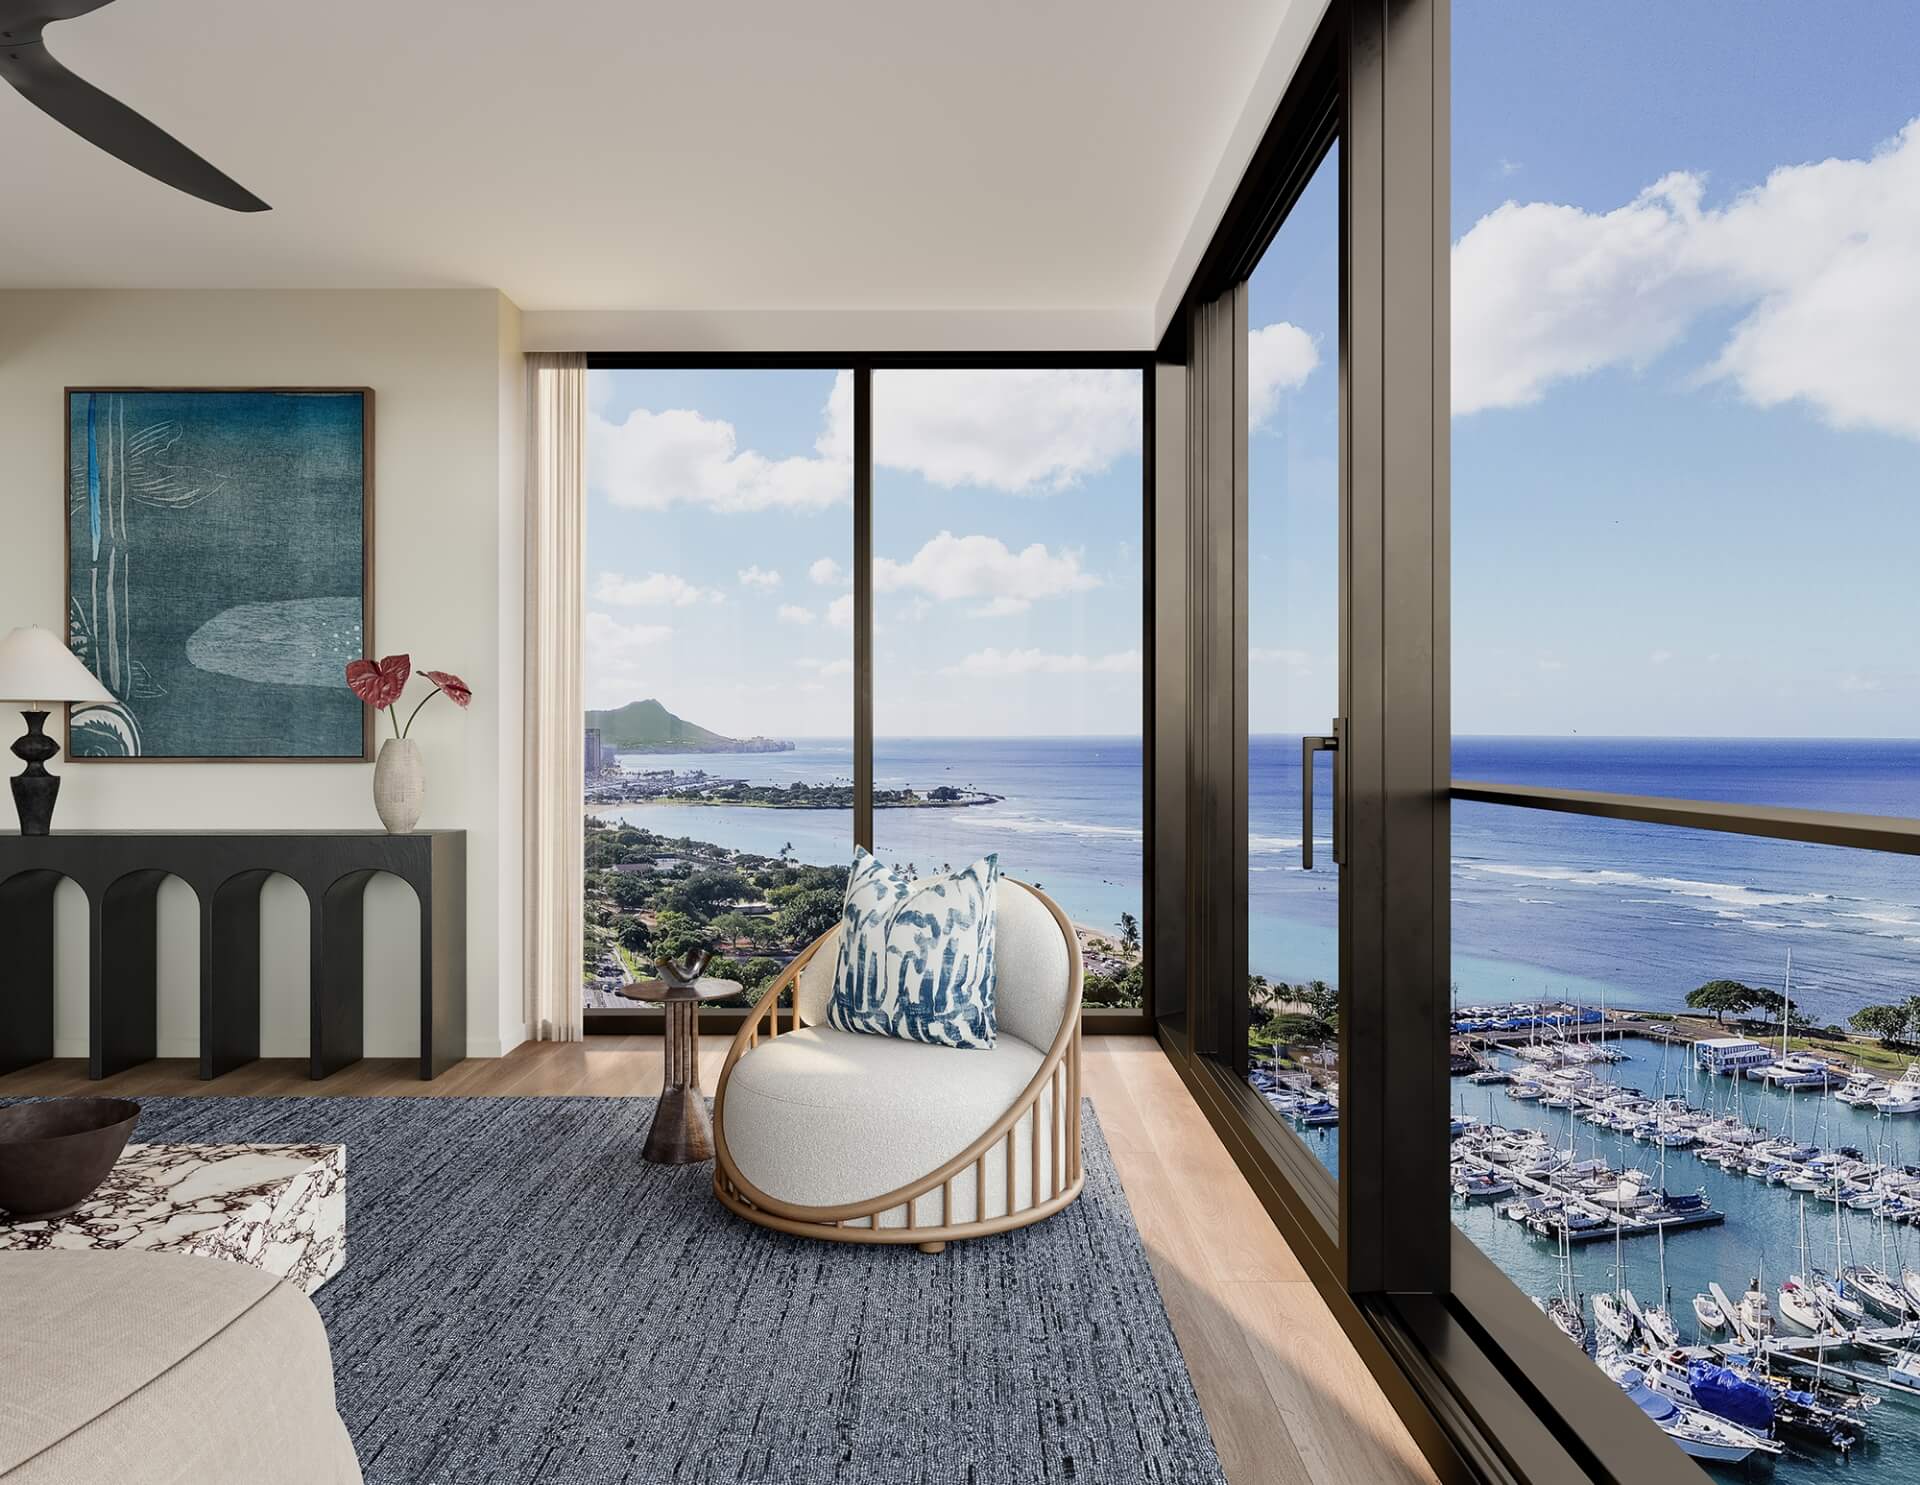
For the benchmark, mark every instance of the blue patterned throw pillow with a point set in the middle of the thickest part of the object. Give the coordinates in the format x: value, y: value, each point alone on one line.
x: 916, y: 956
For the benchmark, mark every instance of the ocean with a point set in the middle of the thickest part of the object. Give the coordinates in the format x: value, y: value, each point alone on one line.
x: 1761, y: 1236
x: 1070, y: 820
x: 1543, y: 904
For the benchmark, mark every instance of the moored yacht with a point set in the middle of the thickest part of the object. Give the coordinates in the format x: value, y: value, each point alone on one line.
x: 1904, y: 1096
x: 1699, y: 1434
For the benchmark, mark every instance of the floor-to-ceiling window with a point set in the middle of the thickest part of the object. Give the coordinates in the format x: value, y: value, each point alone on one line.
x: 718, y: 668
x: 1685, y: 448
x: 1293, y: 661
x: 1008, y: 652
x: 729, y: 506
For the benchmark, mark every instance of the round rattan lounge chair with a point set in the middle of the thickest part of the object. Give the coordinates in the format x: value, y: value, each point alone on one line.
x: 871, y: 1139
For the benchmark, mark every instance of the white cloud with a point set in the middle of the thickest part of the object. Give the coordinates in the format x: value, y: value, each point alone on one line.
x: 759, y: 577
x: 826, y: 667
x: 792, y: 613
x: 840, y: 612
x: 676, y: 456
x: 1550, y: 662
x: 1012, y: 430
x: 994, y: 662
x: 952, y: 566
x: 1818, y: 259
x: 1293, y: 659
x: 1854, y: 681
x: 620, y: 663
x: 1280, y: 357
x: 655, y: 590
x: 826, y: 572
x: 1660, y: 657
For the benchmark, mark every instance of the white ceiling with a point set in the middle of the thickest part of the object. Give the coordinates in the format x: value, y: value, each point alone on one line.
x: 614, y: 154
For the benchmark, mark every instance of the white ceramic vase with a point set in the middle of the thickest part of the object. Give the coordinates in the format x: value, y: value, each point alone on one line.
x: 399, y: 784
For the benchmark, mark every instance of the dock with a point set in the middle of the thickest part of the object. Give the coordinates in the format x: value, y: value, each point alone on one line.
x: 1626, y: 1224
x: 1866, y: 1337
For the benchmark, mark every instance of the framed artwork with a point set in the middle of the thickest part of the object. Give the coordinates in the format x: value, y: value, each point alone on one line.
x: 220, y: 570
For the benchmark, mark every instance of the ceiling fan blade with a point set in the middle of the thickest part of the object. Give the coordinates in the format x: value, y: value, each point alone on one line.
x: 103, y: 120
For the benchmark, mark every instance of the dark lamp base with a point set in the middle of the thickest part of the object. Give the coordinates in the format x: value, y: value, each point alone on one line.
x: 34, y: 789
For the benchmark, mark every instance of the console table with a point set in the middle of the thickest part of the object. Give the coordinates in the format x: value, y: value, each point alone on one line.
x: 121, y: 873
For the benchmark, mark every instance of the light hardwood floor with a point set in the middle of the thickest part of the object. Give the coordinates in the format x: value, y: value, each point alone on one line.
x: 1287, y: 1399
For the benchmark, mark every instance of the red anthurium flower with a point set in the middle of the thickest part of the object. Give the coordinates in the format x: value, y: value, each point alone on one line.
x: 379, y: 685
x: 457, y: 691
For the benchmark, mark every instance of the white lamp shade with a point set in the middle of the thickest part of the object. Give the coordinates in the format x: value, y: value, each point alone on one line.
x: 35, y: 666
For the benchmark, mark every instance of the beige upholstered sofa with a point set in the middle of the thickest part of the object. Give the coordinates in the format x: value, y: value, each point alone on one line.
x: 870, y: 1139
x: 141, y: 1368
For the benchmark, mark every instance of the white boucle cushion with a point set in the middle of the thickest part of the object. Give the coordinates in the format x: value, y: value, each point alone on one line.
x: 824, y: 1118
x: 1031, y: 966
x: 813, y: 986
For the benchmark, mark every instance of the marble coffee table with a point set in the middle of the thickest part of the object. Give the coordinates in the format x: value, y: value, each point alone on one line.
x: 281, y: 1208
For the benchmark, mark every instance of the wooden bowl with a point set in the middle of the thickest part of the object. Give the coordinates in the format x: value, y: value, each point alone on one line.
x: 55, y: 1153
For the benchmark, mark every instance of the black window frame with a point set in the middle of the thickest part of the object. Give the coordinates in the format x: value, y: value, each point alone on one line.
x: 1111, y: 1021
x: 1488, y: 1387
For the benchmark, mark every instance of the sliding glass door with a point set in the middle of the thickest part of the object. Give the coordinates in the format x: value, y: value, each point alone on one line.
x: 1291, y: 1051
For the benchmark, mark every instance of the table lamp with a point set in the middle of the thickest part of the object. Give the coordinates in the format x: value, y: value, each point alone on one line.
x: 37, y: 671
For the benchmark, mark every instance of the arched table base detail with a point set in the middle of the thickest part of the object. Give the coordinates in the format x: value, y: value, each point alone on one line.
x: 121, y: 873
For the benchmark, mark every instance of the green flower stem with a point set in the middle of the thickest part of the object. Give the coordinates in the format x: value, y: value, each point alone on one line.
x: 416, y: 711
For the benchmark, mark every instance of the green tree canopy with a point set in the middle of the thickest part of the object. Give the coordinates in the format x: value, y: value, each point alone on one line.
x: 1722, y: 996
x: 807, y: 914
x: 706, y: 892
x: 733, y: 927
x: 631, y: 890
x: 1888, y: 1023
x: 675, y: 935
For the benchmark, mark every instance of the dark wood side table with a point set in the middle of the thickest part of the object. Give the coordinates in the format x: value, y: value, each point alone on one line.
x: 682, y: 1131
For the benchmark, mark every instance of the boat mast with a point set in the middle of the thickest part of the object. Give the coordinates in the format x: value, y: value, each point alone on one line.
x: 1786, y: 1005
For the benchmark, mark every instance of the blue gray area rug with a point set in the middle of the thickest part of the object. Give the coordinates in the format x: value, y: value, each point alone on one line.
x: 526, y: 1300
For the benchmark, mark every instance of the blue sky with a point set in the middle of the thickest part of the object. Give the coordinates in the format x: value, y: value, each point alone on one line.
x: 1688, y: 498
x: 1686, y: 472
x: 1007, y: 522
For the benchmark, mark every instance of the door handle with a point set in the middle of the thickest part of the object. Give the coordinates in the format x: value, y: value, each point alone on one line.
x: 1308, y: 747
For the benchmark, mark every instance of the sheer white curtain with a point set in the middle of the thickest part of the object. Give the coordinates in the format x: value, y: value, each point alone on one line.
x: 555, y: 783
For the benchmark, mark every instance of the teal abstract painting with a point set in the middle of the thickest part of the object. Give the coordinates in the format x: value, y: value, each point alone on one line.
x: 219, y: 550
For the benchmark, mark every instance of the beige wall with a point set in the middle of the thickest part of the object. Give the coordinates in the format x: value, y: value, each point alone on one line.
x: 445, y: 369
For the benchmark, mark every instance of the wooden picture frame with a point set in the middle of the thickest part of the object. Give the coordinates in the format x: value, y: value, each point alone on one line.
x: 162, y: 483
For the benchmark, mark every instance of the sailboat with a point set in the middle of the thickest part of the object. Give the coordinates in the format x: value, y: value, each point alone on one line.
x: 1658, y: 1321
x: 1563, y: 1308
x: 1874, y: 1283
x: 1903, y: 1371
x: 1755, y: 1315
x: 1845, y: 1311
x: 1800, y: 1299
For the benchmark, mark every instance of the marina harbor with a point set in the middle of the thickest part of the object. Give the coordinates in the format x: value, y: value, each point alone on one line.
x: 1725, y: 1227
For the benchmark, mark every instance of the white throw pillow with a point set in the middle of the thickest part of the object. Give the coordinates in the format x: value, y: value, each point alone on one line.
x: 916, y: 957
